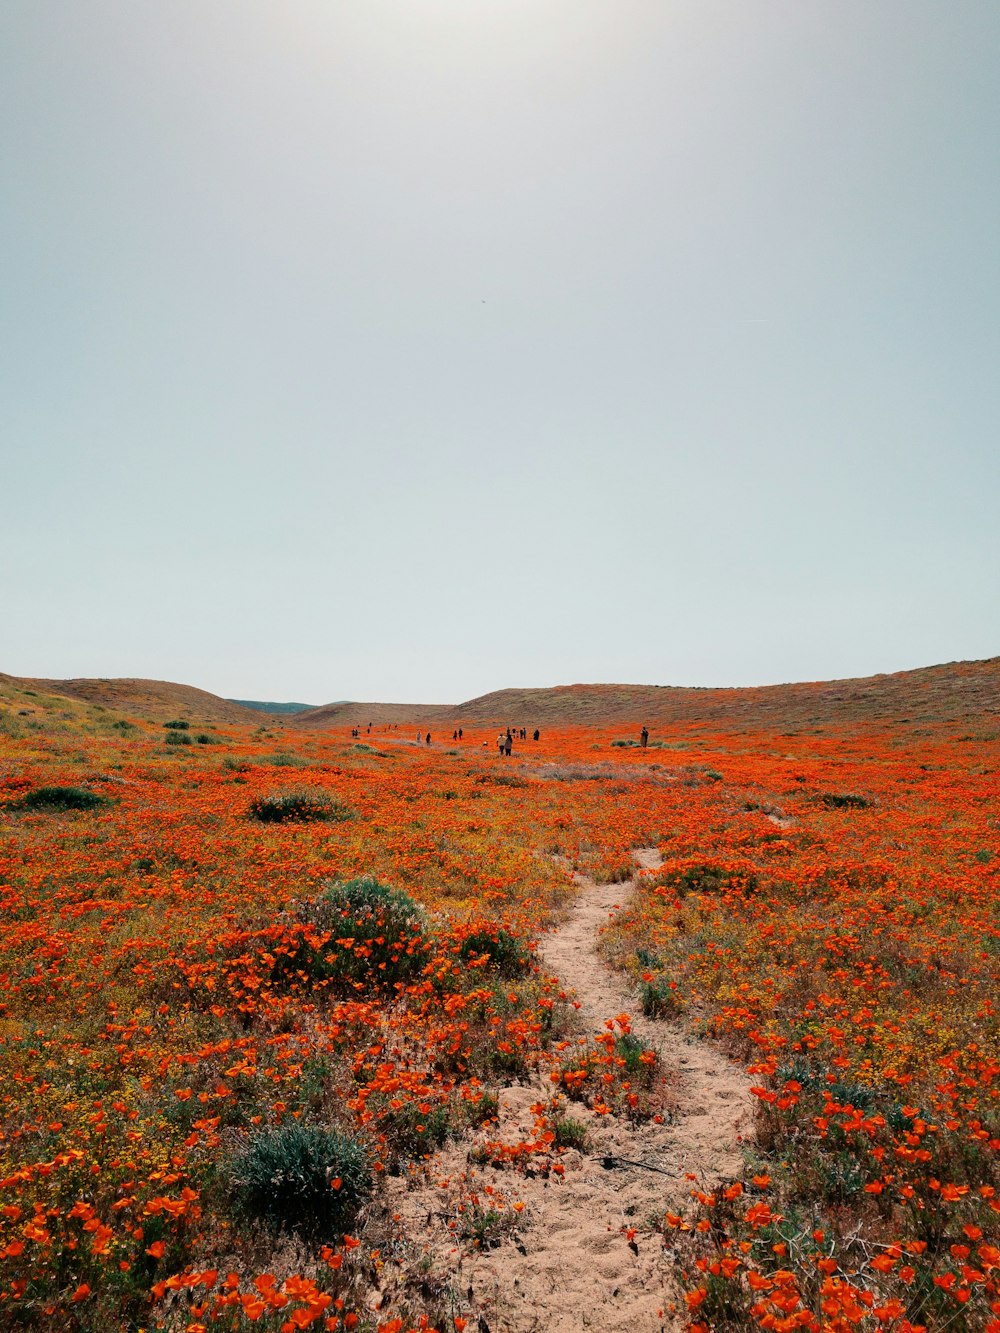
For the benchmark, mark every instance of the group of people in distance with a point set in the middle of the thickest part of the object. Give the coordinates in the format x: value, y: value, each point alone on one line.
x: 505, y: 740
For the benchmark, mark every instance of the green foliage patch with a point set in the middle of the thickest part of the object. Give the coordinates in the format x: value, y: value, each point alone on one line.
x: 288, y: 1178
x: 61, y: 798
x: 843, y: 800
x: 298, y: 807
x: 506, y: 953
x: 357, y: 932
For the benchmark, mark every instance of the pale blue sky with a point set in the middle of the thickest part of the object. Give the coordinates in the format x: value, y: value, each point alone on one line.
x: 408, y: 349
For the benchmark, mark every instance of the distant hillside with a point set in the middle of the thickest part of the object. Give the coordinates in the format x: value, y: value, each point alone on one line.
x: 155, y: 700
x: 259, y: 707
x: 954, y: 692
x: 349, y: 714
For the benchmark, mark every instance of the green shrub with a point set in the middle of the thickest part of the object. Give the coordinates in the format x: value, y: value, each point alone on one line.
x: 610, y: 874
x: 285, y: 1177
x: 506, y: 952
x: 843, y: 800
x: 411, y: 1133
x: 179, y: 738
x: 659, y: 999
x: 61, y: 798
x: 707, y: 878
x: 385, y: 925
x: 178, y: 724
x: 570, y: 1133
x: 485, y: 1227
x: 298, y: 807
x: 203, y: 738
x: 630, y: 1049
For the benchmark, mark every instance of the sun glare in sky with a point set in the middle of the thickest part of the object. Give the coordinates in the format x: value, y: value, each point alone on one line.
x: 413, y: 350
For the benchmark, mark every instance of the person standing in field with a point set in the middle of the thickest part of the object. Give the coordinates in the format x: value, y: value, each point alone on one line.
x: 428, y: 738
x: 500, y: 740
x: 508, y: 744
x: 420, y: 737
x: 644, y: 737
x: 537, y: 733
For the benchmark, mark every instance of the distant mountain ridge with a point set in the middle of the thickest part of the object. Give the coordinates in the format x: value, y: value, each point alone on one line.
x: 260, y: 707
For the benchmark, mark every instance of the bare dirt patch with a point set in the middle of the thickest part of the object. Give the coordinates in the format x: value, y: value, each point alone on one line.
x: 583, y: 1251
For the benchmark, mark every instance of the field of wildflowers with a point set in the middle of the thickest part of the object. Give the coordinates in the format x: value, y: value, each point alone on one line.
x: 246, y: 971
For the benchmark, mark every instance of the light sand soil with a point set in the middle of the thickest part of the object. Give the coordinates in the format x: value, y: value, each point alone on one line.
x: 575, y: 1262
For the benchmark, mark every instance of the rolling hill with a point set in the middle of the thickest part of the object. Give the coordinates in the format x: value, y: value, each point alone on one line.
x: 154, y: 700
x: 955, y: 692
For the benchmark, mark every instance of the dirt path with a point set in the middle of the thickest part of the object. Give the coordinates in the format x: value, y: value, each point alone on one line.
x: 585, y: 1255
x: 713, y: 1093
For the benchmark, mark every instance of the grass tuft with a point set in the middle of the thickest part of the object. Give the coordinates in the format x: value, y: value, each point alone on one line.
x: 302, y: 1178
x: 298, y: 807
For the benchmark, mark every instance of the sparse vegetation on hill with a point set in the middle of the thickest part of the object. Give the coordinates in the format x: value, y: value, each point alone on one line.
x: 260, y: 707
x: 152, y: 700
x: 906, y: 699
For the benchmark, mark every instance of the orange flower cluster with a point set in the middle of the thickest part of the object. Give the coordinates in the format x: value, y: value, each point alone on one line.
x: 169, y: 990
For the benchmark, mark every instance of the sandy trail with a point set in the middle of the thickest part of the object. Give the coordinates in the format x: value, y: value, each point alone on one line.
x: 586, y: 1255
x: 713, y: 1093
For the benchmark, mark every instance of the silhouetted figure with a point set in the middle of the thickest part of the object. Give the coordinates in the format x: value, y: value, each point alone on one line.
x: 420, y: 737
x: 460, y: 733
x: 537, y: 733
x: 428, y: 738
x: 644, y: 737
x: 454, y: 735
